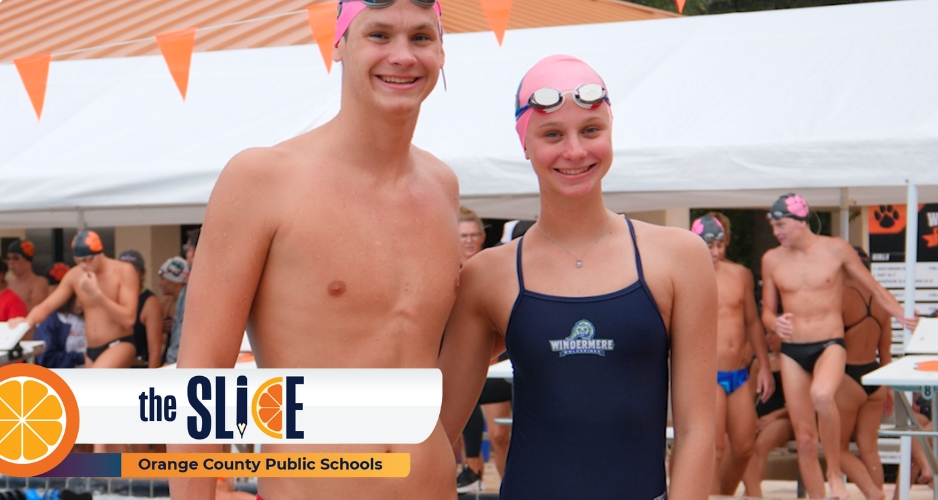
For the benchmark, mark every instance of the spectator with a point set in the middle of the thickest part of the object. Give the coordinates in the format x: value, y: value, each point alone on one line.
x: 172, y: 350
x: 173, y: 276
x: 868, y: 336
x: 148, y: 328
x: 64, y: 335
x: 31, y: 287
x: 11, y: 305
x: 56, y: 274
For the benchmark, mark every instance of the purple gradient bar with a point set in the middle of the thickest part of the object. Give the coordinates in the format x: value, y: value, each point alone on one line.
x: 87, y: 465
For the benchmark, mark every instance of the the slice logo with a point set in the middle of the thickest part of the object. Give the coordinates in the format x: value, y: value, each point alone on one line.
x: 274, y: 407
x: 38, y: 420
x: 582, y: 341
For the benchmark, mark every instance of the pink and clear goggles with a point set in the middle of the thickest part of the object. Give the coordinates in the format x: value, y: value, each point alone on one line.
x: 548, y: 100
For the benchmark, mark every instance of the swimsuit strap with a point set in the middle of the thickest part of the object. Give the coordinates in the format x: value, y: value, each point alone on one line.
x: 869, y: 310
x: 518, y: 264
x: 638, y: 256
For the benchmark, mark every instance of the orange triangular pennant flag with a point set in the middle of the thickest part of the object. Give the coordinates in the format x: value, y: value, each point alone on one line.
x: 176, y: 48
x: 34, y: 71
x: 680, y: 6
x: 322, y: 22
x: 497, y: 13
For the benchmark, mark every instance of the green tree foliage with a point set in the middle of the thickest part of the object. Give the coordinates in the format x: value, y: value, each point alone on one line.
x: 703, y: 7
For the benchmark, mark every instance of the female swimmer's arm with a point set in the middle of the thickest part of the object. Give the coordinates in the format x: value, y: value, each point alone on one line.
x: 693, y: 366
x: 468, y: 343
x: 885, y: 349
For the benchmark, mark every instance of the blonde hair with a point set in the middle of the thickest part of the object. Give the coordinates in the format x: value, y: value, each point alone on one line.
x: 469, y: 215
x: 725, y: 221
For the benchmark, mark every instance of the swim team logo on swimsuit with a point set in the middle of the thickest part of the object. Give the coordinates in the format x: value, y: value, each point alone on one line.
x: 581, y: 341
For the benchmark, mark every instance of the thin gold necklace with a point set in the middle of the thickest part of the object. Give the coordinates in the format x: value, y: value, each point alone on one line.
x: 579, y: 260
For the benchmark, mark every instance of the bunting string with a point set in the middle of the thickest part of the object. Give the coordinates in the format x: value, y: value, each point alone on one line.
x: 177, y: 46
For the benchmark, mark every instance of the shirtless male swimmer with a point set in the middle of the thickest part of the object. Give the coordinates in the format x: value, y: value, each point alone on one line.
x: 739, y: 335
x: 31, y: 287
x: 807, y: 273
x: 340, y: 246
x: 107, y: 289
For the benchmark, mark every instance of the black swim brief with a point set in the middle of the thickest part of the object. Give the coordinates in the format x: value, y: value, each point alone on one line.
x: 94, y: 352
x: 856, y: 372
x: 807, y: 354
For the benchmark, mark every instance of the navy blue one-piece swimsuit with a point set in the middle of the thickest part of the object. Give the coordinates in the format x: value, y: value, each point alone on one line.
x: 590, y: 395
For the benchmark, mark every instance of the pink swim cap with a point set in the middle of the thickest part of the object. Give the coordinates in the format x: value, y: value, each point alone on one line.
x: 348, y: 10
x: 560, y: 72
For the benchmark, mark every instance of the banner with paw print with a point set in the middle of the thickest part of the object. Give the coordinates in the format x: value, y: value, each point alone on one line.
x: 887, y: 225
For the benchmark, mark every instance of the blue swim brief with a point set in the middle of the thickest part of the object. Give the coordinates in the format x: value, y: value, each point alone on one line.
x: 730, y: 381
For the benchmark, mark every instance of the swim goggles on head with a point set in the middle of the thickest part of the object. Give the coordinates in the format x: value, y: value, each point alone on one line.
x: 779, y: 215
x: 548, y: 100
x: 385, y: 3
x: 775, y: 215
x: 718, y: 236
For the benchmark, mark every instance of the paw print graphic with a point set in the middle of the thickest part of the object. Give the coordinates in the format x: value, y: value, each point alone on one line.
x: 886, y: 215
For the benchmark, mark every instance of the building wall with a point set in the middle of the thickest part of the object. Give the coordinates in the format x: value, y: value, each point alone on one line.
x: 673, y: 217
x: 859, y: 227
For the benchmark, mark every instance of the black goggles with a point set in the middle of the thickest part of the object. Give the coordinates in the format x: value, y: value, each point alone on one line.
x: 779, y: 215
x: 385, y: 3
x: 548, y: 100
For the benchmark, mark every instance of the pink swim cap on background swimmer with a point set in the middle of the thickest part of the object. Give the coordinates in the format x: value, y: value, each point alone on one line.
x: 790, y: 205
x: 561, y: 72
x: 348, y: 10
x: 708, y: 228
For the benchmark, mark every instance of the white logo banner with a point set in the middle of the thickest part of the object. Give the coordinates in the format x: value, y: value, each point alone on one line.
x: 322, y: 406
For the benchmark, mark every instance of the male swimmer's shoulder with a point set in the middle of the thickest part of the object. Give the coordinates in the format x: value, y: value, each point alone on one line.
x: 72, y: 275
x: 838, y: 246
x: 737, y: 269
x: 772, y: 255
x: 435, y: 167
x: 255, y: 173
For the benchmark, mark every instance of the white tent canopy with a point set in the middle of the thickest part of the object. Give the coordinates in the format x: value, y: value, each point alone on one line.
x: 728, y: 111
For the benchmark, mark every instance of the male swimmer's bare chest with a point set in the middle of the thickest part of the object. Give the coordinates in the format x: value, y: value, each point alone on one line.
x: 99, y: 325
x: 365, y: 284
x: 799, y: 272
x: 731, y: 332
x: 729, y: 293
x: 23, y: 289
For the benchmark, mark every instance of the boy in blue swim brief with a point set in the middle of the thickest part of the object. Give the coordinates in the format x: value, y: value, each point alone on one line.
x: 739, y: 335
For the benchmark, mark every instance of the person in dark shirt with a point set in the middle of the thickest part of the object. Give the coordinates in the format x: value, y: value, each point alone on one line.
x: 148, y: 329
x: 64, y: 335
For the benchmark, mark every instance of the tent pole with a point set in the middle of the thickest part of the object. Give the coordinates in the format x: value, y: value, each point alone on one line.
x: 911, y: 255
x: 81, y: 220
x: 845, y: 214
